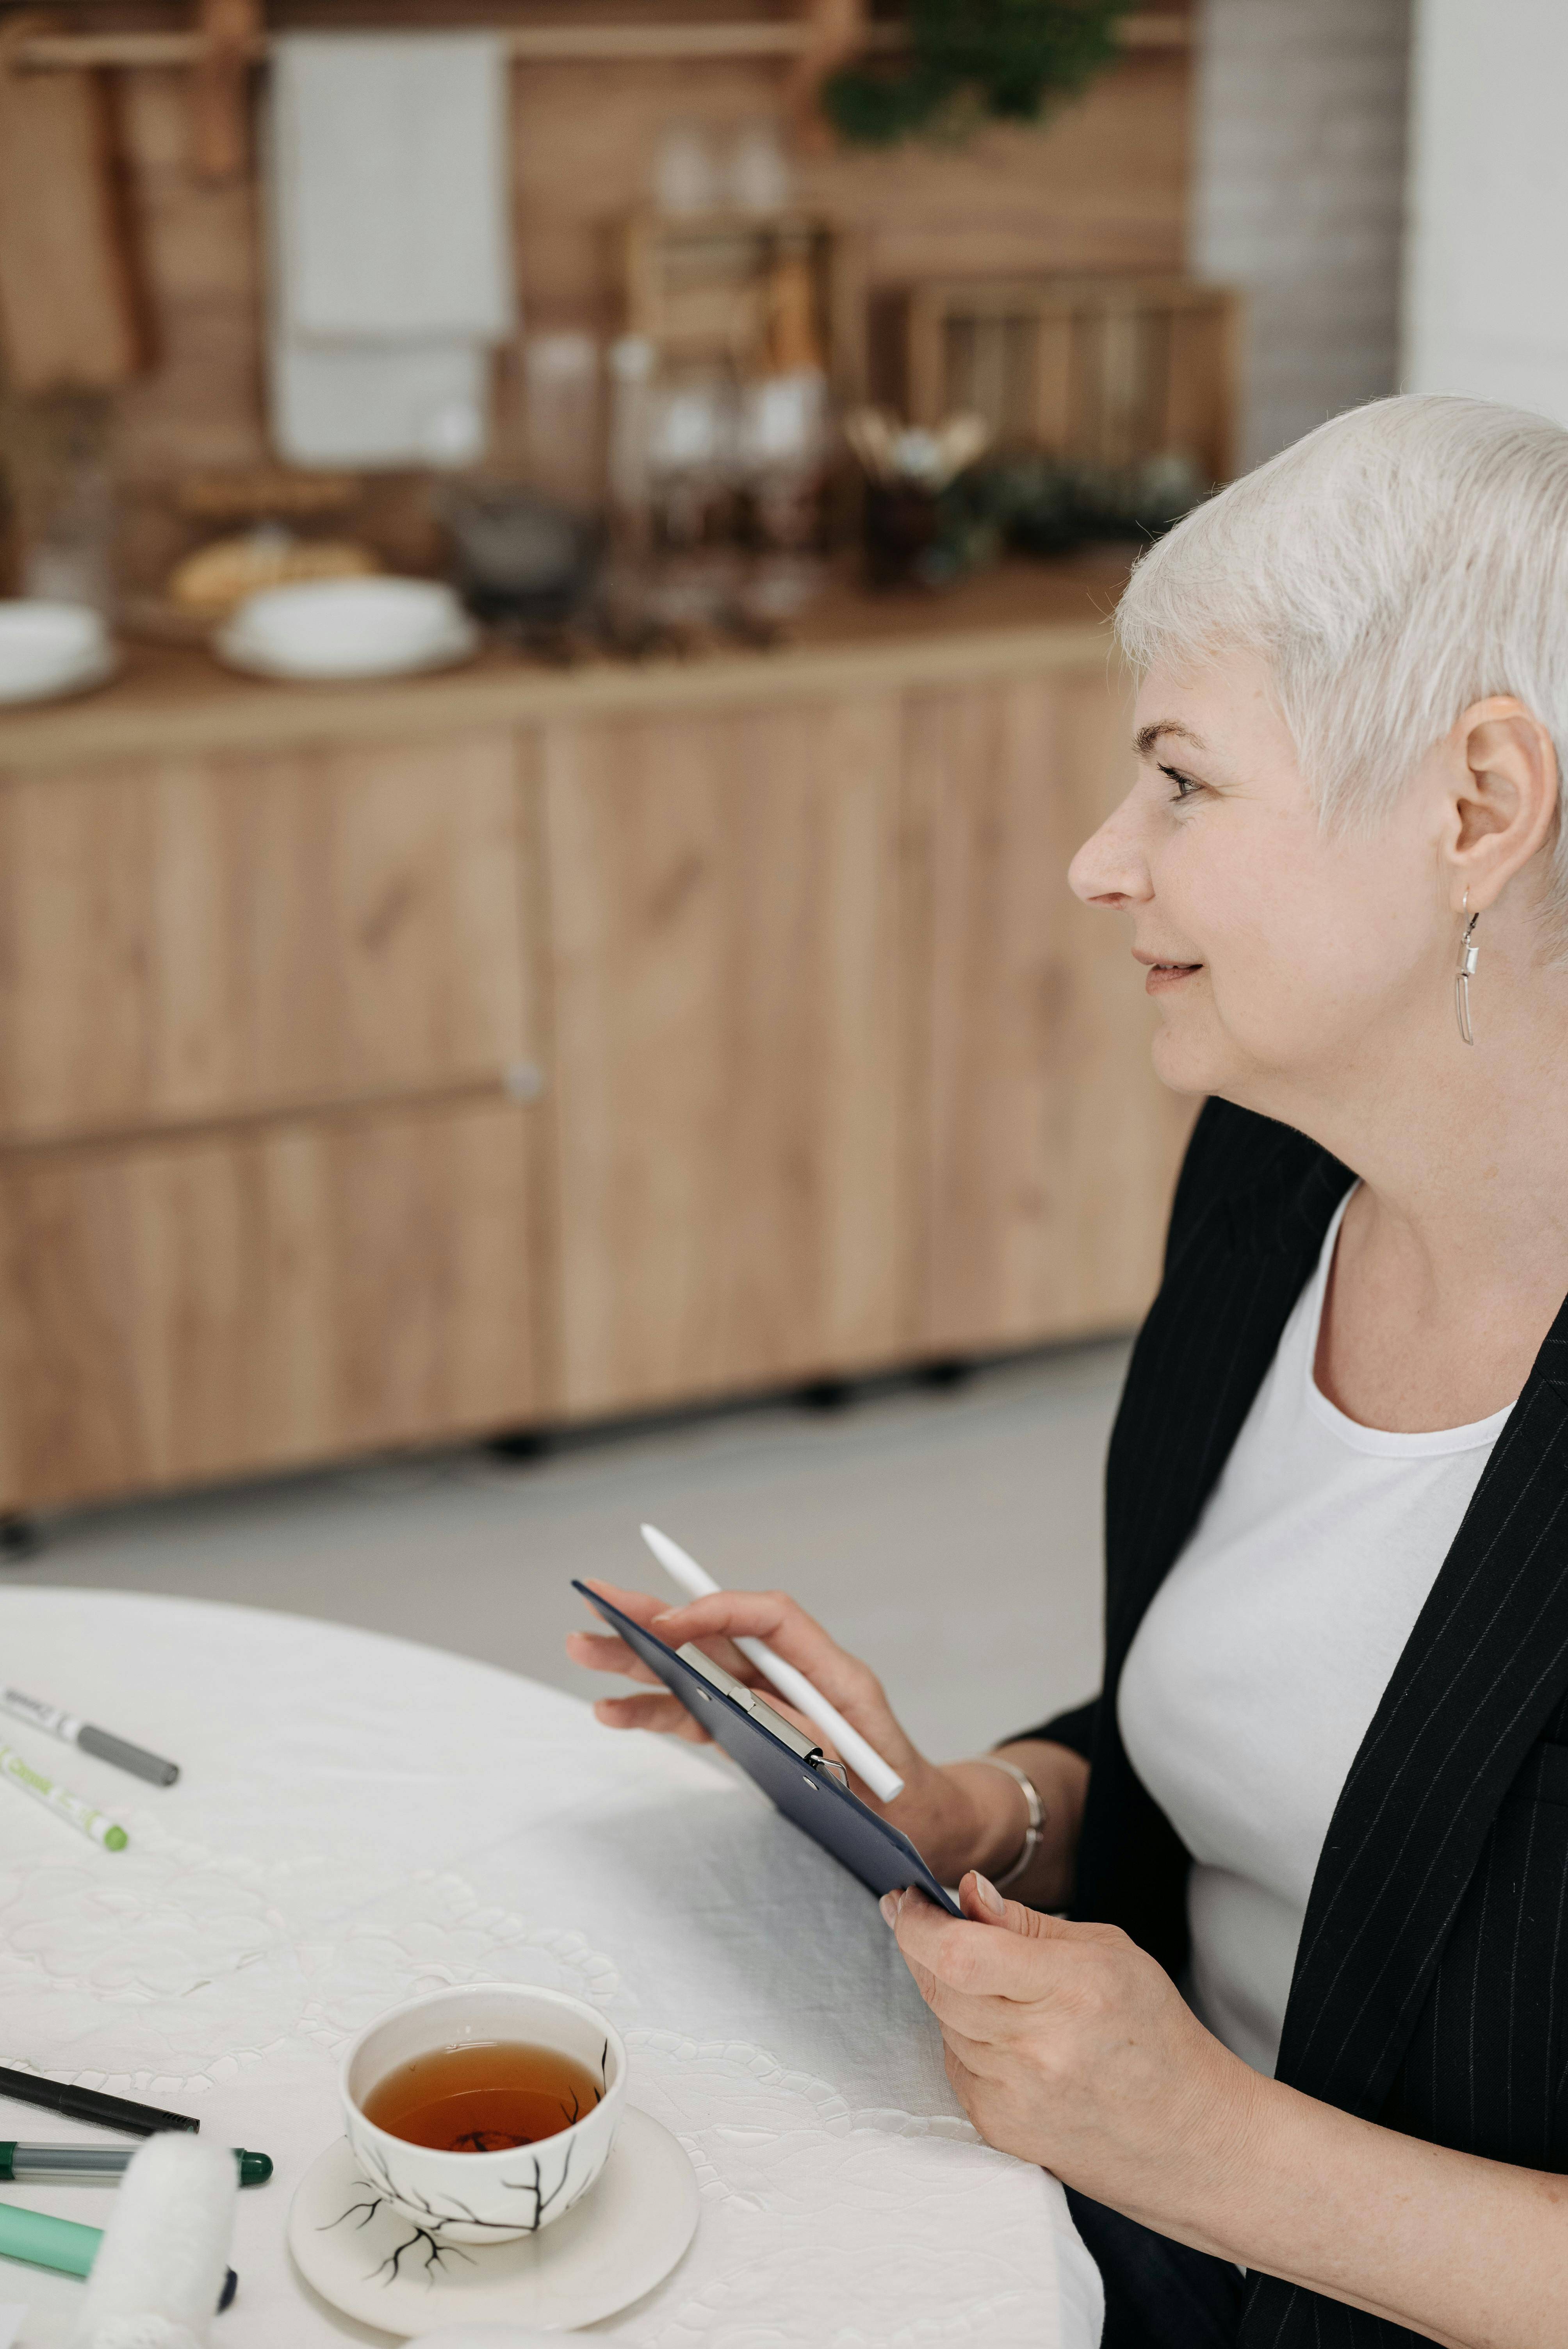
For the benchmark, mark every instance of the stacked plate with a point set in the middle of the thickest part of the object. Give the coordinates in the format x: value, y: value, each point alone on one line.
x: 348, y: 628
x: 48, y: 650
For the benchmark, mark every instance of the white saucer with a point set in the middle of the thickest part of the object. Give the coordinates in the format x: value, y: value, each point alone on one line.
x: 450, y: 649
x: 80, y: 677
x: 622, y: 2238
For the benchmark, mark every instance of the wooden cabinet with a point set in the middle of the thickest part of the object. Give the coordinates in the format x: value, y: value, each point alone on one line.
x: 729, y: 953
x: 176, y: 1309
x: 219, y: 937
x: 1046, y: 1149
x: 576, y: 1045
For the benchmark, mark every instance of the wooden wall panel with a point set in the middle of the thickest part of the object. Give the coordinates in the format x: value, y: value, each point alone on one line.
x: 192, y: 1309
x: 730, y: 1097
x: 1050, y: 1148
x: 193, y: 940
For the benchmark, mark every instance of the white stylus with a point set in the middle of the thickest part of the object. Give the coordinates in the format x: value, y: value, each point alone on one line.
x: 864, y: 1759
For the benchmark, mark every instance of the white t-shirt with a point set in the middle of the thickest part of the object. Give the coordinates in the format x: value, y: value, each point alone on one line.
x: 1256, y: 1671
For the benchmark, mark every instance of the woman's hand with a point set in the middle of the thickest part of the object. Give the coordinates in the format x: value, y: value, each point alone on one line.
x: 1068, y: 2046
x: 965, y: 1814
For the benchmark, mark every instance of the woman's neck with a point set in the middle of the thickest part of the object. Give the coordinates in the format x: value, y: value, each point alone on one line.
x: 1453, y: 1257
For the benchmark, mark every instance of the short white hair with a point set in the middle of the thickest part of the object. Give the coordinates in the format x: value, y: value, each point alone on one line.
x: 1401, y: 561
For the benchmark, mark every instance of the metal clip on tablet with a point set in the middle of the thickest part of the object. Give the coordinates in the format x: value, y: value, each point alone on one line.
x: 763, y: 1713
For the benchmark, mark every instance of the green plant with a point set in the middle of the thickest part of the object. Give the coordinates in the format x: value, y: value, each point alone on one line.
x: 968, y: 59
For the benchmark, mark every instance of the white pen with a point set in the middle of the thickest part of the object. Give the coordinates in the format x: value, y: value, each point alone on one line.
x: 864, y: 1759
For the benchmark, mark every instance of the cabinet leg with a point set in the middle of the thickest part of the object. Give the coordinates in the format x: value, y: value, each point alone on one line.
x: 519, y: 1443
x: 825, y: 1394
x: 20, y: 1538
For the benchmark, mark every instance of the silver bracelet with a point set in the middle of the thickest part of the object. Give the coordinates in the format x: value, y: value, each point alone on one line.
x: 1036, y: 1827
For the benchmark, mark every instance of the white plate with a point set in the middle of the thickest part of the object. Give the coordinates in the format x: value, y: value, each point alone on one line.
x: 76, y: 677
x: 376, y: 627
x: 449, y: 649
x: 621, y: 2240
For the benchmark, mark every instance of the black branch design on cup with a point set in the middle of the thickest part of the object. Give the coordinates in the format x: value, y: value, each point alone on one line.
x: 542, y: 2202
x: 436, y: 2253
x: 430, y: 2224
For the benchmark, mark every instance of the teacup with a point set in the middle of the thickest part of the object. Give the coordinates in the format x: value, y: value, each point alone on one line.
x: 486, y: 2198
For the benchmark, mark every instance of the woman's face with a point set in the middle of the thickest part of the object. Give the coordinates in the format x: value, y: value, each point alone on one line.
x: 1282, y: 959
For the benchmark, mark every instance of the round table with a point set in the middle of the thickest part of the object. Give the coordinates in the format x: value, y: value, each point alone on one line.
x: 359, y: 1819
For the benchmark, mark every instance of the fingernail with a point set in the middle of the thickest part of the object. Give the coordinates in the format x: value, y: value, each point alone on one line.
x: 888, y: 1904
x: 991, y: 1899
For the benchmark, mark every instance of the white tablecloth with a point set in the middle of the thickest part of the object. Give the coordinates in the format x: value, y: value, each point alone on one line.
x: 360, y: 1819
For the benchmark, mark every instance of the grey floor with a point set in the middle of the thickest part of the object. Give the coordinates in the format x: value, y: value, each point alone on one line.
x: 950, y: 1537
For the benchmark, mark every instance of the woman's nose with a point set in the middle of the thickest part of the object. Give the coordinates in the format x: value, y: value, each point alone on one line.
x: 1110, y: 868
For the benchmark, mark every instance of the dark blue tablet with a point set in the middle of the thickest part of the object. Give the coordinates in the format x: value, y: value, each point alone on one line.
x: 783, y: 1762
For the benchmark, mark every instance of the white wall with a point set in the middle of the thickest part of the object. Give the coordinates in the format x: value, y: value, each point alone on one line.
x: 1299, y: 197
x: 1487, y: 265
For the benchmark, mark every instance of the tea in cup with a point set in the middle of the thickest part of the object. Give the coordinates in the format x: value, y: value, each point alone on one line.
x: 485, y: 2113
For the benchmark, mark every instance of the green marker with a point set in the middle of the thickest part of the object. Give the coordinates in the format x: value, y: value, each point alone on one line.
x: 57, y: 2243
x: 55, y: 2163
x: 61, y: 2244
x: 64, y: 1805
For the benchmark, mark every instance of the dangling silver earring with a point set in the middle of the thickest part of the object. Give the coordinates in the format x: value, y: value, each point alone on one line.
x: 1470, y: 954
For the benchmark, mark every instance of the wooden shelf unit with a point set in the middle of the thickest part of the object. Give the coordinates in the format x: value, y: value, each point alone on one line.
x: 1099, y: 370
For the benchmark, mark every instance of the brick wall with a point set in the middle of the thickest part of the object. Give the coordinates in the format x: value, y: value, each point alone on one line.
x: 1299, y: 198
x: 1487, y: 295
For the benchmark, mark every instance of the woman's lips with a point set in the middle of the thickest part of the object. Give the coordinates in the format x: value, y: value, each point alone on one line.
x: 1163, y: 975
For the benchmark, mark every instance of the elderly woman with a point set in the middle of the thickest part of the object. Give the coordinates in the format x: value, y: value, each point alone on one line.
x: 1300, y: 2050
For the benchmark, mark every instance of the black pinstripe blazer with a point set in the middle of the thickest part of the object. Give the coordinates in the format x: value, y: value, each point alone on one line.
x: 1431, y: 1989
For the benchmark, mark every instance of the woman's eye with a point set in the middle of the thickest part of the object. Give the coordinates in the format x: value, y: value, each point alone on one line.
x: 1182, y: 786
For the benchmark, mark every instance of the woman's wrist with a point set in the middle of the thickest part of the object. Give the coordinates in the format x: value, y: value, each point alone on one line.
x: 1012, y: 1819
x: 985, y: 1820
x: 1060, y: 1780
x: 970, y: 1813
x: 1034, y: 1821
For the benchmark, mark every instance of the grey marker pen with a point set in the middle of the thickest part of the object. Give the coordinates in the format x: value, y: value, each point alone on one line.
x: 72, y: 1731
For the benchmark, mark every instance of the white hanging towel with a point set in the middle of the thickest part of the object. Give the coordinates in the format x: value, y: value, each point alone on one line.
x: 369, y: 404
x: 389, y: 210
x: 391, y: 156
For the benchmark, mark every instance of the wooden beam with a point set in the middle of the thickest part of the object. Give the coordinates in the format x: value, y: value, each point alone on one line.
x: 836, y: 31
x: 549, y: 43
x: 229, y: 34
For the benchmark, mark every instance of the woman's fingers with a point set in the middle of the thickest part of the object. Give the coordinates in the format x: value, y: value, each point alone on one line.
x: 979, y: 1961
x: 790, y: 1633
x: 640, y: 1605
x: 654, y: 1615
x: 981, y: 2059
x: 665, y: 1714
x: 607, y: 1652
x: 771, y: 1615
x: 714, y: 1624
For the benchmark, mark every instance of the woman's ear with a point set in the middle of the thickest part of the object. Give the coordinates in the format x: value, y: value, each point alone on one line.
x: 1502, y: 797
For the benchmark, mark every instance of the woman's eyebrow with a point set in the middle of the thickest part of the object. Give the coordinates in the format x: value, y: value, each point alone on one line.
x: 1145, y: 739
